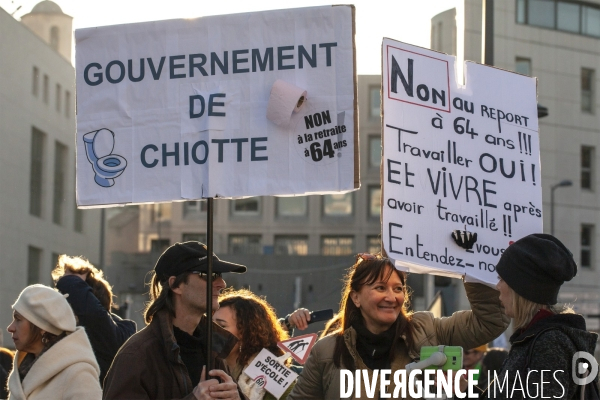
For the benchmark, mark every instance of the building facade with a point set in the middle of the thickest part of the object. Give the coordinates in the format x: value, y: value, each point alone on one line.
x: 39, y: 219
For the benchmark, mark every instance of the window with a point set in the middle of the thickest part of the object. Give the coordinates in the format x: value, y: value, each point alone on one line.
x: 246, y: 207
x: 160, y: 212
x: 337, y: 245
x: 244, y: 244
x: 568, y: 17
x: 67, y: 104
x: 587, y: 90
x: 78, y: 220
x: 337, y: 205
x: 521, y: 12
x: 541, y: 13
x: 35, y: 83
x: 46, y: 88
x: 58, y: 97
x: 36, y: 172
x: 587, y: 240
x: 373, y: 244
x: 590, y: 21
x: 159, y: 245
x: 291, y: 245
x: 60, y: 181
x: 197, y: 237
x: 374, y: 202
x: 194, y: 208
x: 292, y: 206
x: 54, y: 39
x: 562, y: 15
x: 523, y: 66
x: 375, y: 151
x: 587, y: 163
x: 34, y: 265
x: 374, y: 101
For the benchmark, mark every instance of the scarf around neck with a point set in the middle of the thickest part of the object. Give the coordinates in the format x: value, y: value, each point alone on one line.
x: 374, y: 349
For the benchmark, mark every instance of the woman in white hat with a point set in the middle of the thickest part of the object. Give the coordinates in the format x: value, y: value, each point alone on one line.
x: 54, y: 358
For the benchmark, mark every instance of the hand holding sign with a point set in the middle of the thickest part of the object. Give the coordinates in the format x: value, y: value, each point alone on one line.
x: 209, y: 389
x: 269, y: 372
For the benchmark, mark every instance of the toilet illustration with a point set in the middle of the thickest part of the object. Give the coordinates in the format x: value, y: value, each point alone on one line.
x: 99, y: 146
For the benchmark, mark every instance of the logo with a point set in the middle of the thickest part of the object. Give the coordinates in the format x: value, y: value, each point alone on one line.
x: 99, y: 146
x: 580, y: 368
x: 261, y: 381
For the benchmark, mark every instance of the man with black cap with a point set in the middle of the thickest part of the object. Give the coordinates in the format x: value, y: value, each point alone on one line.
x: 166, y: 360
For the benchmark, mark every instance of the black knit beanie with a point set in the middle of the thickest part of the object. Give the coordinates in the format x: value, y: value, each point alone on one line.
x: 536, y: 266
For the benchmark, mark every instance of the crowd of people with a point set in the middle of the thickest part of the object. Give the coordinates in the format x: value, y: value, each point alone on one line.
x: 70, y: 345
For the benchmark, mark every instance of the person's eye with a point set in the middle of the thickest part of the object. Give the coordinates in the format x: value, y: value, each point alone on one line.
x: 399, y: 289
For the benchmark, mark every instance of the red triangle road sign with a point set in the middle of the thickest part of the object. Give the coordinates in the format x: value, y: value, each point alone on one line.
x: 299, y: 347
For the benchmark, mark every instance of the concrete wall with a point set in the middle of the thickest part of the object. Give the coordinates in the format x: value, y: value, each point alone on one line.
x: 20, y: 110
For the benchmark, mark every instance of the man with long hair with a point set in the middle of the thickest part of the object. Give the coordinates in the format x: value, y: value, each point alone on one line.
x: 167, y: 359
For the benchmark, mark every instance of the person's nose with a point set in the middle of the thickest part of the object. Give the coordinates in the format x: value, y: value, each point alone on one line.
x: 219, y: 284
x: 11, y: 328
x: 390, y: 295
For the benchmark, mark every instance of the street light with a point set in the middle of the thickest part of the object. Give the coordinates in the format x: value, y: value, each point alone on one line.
x: 564, y: 183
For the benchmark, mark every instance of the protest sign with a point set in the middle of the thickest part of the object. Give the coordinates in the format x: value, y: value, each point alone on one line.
x: 456, y: 157
x: 299, y: 346
x: 177, y: 109
x: 270, y: 373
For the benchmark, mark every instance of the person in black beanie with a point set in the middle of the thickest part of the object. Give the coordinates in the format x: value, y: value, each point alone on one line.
x: 531, y: 272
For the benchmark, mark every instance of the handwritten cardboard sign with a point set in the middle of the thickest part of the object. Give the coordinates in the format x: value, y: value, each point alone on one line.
x: 271, y: 374
x: 177, y: 110
x: 456, y: 157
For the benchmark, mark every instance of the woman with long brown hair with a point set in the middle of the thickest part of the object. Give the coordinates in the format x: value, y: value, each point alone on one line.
x: 376, y: 330
x: 254, y: 322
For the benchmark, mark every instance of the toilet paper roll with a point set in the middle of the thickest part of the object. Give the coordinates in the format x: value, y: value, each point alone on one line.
x: 285, y: 99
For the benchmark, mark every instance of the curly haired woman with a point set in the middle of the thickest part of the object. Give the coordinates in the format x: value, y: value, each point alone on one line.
x: 253, y: 321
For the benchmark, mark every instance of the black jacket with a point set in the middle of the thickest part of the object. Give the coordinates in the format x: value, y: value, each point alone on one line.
x: 559, y: 337
x: 149, y: 366
x: 107, y: 332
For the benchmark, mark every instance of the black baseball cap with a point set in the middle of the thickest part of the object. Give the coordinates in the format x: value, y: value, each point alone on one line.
x: 190, y: 256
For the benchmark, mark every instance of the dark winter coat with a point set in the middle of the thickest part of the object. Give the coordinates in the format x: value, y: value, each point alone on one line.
x: 148, y: 366
x: 107, y: 332
x: 553, y: 351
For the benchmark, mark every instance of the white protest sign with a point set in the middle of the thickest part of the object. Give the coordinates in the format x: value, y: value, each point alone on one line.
x: 268, y: 372
x: 456, y: 158
x: 175, y: 110
x: 299, y: 346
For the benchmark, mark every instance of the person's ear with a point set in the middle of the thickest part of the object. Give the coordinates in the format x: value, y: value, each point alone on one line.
x: 171, y: 282
x: 355, y: 299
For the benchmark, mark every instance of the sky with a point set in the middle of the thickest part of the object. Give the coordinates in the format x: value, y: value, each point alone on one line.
x: 403, y: 20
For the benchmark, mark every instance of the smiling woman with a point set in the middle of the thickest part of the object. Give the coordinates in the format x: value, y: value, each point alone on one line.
x: 377, y: 331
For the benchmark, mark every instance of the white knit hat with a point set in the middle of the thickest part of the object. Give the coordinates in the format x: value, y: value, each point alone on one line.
x: 46, y: 308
